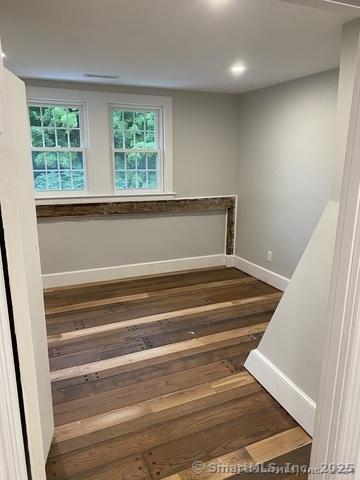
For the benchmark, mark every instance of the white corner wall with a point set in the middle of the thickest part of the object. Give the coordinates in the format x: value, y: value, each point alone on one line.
x: 288, y: 359
x: 22, y: 249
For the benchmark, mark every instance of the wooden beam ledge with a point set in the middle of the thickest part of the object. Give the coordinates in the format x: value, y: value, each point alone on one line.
x: 154, y: 207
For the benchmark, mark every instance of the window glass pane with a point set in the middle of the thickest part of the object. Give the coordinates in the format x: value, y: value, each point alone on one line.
x: 141, y: 180
x: 36, y: 137
x: 66, y: 180
x: 131, y: 161
x: 150, y: 121
x: 129, y: 139
x: 77, y: 161
x: 139, y: 139
x: 139, y: 120
x: 73, y: 118
x: 150, y: 139
x: 35, y: 116
x: 118, y: 123
x: 51, y: 161
x: 152, y: 161
x: 61, y: 116
x: 56, y: 126
x: 53, y: 180
x: 119, y: 161
x: 118, y: 139
x: 141, y: 161
x: 131, y: 179
x: 74, y: 136
x: 40, y: 181
x: 62, y: 137
x: 79, y: 180
x: 135, y: 130
x: 48, y: 116
x: 129, y: 119
x: 64, y: 160
x: 49, y: 137
x: 38, y: 160
x: 120, y: 178
x: 153, y: 179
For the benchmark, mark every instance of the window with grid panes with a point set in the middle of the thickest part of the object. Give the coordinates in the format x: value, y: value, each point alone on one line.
x: 58, y: 155
x: 136, y: 149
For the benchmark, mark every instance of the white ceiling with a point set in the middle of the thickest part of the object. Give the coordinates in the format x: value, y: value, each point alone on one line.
x: 187, y: 44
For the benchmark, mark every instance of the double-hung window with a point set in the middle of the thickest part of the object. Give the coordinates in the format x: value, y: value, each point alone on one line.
x: 137, y: 149
x: 57, y: 144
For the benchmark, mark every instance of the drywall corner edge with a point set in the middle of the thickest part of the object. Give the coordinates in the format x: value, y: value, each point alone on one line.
x: 295, y: 401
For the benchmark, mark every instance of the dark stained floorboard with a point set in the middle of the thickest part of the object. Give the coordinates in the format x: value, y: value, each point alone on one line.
x: 154, y: 421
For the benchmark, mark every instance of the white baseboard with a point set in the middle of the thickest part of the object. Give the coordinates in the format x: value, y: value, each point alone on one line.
x: 137, y: 269
x: 299, y: 405
x: 267, y: 276
x: 62, y: 279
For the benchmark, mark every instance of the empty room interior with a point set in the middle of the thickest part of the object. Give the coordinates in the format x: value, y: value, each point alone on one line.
x: 169, y: 201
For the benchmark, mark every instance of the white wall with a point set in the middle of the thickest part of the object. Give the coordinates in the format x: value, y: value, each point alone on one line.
x: 21, y: 241
x: 294, y: 339
x: 205, y: 156
x: 286, y: 151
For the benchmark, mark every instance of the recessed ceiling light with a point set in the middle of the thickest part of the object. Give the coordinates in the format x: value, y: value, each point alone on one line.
x: 218, y: 3
x: 237, y: 69
x: 3, y: 55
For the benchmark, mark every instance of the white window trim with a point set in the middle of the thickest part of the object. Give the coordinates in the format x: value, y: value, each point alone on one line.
x: 83, y: 135
x: 98, y: 145
x: 159, y: 150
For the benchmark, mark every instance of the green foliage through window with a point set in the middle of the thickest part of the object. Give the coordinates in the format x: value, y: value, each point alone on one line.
x: 135, y: 142
x: 58, y: 171
x: 136, y: 170
x: 55, y: 132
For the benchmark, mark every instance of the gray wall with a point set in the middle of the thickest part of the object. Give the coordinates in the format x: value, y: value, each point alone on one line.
x: 274, y: 147
x: 81, y: 244
x: 294, y: 340
x: 286, y: 151
x: 205, y: 157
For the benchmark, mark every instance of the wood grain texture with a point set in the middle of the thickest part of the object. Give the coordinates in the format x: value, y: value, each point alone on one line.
x: 180, y: 205
x: 159, y: 354
x: 83, y: 305
x: 148, y: 376
x: 124, y: 324
x: 255, y: 453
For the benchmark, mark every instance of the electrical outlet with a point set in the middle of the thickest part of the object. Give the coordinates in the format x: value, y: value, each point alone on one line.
x: 269, y: 255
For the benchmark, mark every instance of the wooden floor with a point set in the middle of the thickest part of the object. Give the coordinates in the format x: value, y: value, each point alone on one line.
x: 148, y: 377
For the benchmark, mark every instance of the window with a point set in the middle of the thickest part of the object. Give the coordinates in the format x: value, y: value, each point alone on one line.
x: 100, y: 146
x: 137, y: 149
x: 58, y: 156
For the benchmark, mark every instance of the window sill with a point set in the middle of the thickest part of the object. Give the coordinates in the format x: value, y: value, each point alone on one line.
x: 63, y: 200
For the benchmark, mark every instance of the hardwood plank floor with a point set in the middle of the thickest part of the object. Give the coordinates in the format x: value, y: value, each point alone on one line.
x: 148, y: 377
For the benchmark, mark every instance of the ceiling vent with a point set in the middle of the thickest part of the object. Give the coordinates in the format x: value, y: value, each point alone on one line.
x: 97, y: 75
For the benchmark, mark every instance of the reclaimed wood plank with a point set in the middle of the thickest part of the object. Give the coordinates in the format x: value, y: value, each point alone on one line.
x: 159, y: 354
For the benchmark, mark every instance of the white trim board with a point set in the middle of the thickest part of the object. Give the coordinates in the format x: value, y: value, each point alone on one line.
x: 295, y: 401
x: 12, y: 453
x: 137, y: 269
x: 261, y: 273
